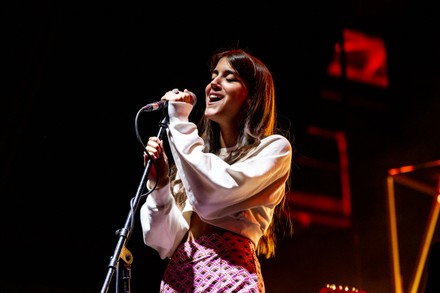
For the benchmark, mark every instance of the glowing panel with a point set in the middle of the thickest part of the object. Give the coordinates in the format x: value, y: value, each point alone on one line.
x: 365, y: 59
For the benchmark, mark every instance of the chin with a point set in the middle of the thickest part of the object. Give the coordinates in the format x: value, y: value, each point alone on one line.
x: 210, y: 113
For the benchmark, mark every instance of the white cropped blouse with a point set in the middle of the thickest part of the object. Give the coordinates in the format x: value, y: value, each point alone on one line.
x: 238, y: 197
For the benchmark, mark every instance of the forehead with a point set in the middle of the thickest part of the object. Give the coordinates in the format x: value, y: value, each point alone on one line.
x: 224, y: 64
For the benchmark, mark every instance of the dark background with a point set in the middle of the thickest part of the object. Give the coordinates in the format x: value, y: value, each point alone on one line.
x: 77, y: 73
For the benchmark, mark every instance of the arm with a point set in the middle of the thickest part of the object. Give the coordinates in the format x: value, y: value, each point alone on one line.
x: 216, y: 188
x: 163, y: 224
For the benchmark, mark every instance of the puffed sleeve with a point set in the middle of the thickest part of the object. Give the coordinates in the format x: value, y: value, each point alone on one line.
x: 163, y: 224
x: 217, y: 189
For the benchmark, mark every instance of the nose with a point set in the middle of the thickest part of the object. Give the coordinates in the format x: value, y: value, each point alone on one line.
x: 215, y: 85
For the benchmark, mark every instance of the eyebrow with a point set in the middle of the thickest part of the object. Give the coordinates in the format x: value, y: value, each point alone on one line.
x: 226, y: 72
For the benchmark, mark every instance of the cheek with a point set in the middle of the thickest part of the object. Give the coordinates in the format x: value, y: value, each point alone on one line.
x: 235, y: 106
x: 242, y: 94
x: 241, y: 99
x: 237, y: 103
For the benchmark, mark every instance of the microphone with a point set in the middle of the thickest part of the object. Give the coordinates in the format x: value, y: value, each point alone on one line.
x: 155, y: 106
x: 162, y: 104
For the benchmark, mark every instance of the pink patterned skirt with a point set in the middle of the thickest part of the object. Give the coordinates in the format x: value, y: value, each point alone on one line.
x: 223, y: 262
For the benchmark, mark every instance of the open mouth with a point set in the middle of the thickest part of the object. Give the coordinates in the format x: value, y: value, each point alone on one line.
x: 214, y: 98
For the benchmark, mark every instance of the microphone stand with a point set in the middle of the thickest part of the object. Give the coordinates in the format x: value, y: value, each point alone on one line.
x: 121, y: 252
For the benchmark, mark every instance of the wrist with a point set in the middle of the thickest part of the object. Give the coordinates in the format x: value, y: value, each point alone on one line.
x: 163, y: 182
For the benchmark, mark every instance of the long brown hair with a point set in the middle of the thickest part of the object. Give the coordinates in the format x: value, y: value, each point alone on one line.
x: 259, y: 121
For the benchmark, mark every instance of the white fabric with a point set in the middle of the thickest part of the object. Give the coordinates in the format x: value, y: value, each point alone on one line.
x: 238, y: 197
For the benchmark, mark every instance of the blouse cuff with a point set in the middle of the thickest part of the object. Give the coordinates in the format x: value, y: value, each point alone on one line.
x: 160, y: 197
x: 179, y: 111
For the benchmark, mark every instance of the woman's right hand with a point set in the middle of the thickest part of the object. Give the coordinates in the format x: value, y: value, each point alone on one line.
x: 159, y: 170
x: 180, y: 96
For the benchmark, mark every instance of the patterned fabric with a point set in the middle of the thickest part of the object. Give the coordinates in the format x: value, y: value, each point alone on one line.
x: 214, y: 263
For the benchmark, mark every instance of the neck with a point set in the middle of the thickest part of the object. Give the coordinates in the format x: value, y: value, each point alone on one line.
x: 228, y: 137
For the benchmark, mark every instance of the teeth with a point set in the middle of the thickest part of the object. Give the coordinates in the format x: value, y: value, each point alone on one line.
x: 214, y: 98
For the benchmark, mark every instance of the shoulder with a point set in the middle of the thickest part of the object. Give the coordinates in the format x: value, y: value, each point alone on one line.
x: 274, y: 145
x: 276, y: 141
